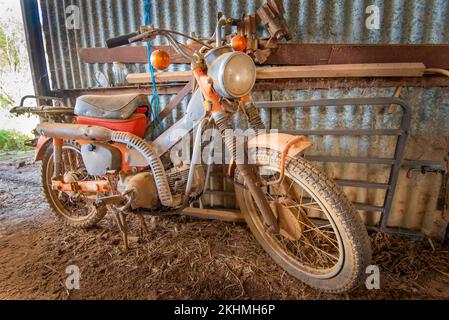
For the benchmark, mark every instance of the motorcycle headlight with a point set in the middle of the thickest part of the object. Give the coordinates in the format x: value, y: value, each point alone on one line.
x: 233, y: 73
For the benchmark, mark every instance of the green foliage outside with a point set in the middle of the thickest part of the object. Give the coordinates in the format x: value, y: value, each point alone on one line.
x: 15, y: 74
x: 14, y: 67
x: 9, y: 61
x: 10, y: 53
x: 13, y: 140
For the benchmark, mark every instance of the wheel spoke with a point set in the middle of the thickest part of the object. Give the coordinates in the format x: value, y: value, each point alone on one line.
x: 318, y: 246
x: 319, y: 231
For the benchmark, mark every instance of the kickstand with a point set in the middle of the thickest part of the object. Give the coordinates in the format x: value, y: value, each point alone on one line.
x: 120, y: 218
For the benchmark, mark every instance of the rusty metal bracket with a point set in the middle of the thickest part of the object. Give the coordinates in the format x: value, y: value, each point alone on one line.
x: 82, y: 186
x: 271, y: 14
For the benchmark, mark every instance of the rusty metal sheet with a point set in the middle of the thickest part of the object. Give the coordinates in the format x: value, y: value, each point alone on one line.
x: 433, y: 56
x: 134, y: 54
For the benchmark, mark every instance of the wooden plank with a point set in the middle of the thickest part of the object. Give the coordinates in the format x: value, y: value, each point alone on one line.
x: 223, y: 215
x: 433, y: 56
x: 163, y: 89
x: 343, y: 71
x: 314, y: 54
x: 120, y: 54
x: 293, y: 72
x: 274, y: 84
x: 135, y: 54
x: 161, y: 77
x: 430, y: 55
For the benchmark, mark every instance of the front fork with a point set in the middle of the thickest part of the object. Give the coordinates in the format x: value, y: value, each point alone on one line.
x: 248, y: 171
x: 222, y: 120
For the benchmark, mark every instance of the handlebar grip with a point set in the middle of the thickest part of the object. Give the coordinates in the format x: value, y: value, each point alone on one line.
x: 121, y: 40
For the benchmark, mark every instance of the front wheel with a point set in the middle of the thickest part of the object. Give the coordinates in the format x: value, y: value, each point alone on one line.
x: 322, y: 240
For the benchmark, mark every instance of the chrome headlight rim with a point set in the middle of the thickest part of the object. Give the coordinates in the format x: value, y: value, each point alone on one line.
x: 217, y: 71
x: 223, y: 70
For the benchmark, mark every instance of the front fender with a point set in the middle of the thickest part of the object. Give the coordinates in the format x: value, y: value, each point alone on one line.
x: 279, y: 141
x: 42, y: 144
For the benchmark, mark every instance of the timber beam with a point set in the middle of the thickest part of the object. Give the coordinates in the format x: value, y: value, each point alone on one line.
x: 433, y: 56
x: 275, y: 84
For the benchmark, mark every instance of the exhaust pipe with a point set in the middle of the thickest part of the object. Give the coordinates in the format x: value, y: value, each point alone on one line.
x: 95, y: 133
x: 74, y: 131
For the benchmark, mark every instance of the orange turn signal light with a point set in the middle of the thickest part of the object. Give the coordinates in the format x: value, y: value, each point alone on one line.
x: 160, y: 59
x: 239, y: 43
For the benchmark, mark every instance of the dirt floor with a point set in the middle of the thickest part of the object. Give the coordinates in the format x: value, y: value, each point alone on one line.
x: 182, y: 258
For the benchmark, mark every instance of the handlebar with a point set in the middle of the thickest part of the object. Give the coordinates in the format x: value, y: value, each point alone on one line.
x: 121, y: 40
x: 147, y: 32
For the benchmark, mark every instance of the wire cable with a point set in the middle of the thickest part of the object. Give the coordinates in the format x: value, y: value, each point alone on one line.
x: 154, y: 100
x: 438, y: 71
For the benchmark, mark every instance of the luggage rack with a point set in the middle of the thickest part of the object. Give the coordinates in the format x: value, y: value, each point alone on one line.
x: 42, y: 109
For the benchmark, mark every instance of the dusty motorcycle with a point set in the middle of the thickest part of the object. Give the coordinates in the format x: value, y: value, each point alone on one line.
x: 102, y: 163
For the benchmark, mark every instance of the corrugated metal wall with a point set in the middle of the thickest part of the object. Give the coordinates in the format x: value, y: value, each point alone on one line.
x: 315, y: 21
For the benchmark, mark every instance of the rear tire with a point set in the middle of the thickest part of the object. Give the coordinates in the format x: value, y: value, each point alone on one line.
x: 92, y: 214
x: 354, y: 245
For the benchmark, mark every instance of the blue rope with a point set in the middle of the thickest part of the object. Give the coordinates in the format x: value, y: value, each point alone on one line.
x: 154, y: 100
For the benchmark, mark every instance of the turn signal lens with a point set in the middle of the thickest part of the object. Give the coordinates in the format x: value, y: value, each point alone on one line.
x: 160, y: 59
x: 239, y: 43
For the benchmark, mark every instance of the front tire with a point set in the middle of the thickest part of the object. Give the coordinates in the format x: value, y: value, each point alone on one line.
x: 337, y: 225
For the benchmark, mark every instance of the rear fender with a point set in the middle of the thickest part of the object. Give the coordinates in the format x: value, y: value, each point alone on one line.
x: 280, y: 141
x: 42, y: 144
x: 45, y: 142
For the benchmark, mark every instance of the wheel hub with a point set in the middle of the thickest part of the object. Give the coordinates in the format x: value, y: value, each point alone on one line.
x: 70, y: 177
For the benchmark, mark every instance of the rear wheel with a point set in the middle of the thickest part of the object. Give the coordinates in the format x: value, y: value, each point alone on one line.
x: 322, y: 241
x: 74, y: 208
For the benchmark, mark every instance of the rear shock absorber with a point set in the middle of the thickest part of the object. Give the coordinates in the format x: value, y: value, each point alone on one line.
x: 254, y: 119
x: 223, y: 123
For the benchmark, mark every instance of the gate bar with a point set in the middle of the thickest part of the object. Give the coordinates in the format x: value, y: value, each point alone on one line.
x: 395, y: 163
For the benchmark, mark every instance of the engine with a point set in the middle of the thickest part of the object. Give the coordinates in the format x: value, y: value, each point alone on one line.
x: 177, y: 179
x: 140, y: 188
